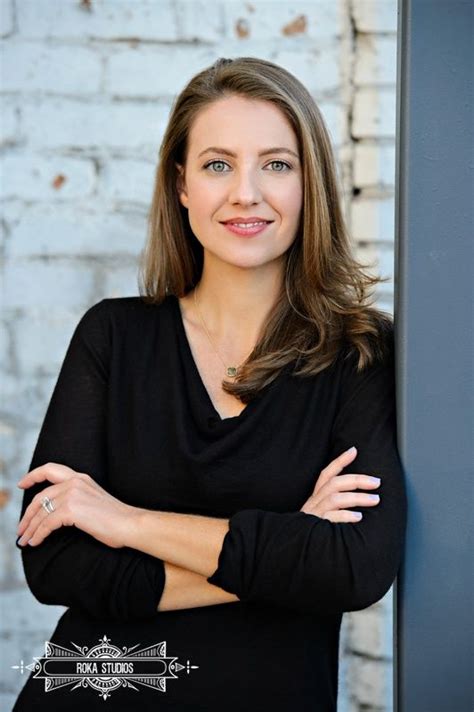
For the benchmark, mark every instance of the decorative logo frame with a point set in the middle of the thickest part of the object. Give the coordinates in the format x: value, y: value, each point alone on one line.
x: 106, y: 667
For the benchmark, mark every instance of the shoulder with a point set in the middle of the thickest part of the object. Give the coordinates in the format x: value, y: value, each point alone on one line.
x: 111, y: 323
x: 111, y: 320
x: 125, y: 309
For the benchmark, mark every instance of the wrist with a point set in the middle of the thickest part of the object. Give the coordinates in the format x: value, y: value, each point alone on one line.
x: 135, y: 527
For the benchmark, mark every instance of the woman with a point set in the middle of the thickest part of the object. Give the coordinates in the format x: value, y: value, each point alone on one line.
x: 215, y: 440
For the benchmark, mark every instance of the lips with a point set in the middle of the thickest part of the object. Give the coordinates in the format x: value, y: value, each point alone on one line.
x: 247, y: 230
x: 234, y: 221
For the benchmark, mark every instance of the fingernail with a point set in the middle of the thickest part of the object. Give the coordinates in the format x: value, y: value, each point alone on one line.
x: 351, y: 450
x: 374, y: 479
x: 18, y: 541
x: 374, y: 496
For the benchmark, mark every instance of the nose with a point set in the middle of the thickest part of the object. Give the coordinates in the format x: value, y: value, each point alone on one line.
x: 245, y: 188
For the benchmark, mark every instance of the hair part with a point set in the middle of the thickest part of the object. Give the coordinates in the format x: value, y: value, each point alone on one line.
x: 325, y: 306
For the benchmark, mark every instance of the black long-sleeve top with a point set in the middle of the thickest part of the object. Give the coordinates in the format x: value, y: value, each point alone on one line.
x: 130, y: 409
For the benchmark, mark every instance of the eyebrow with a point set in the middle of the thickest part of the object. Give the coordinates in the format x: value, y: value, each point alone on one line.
x: 265, y: 152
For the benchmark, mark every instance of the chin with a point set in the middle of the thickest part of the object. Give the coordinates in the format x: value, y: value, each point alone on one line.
x: 245, y: 262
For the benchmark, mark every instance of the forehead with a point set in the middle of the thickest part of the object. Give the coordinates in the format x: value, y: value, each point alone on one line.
x: 235, y: 122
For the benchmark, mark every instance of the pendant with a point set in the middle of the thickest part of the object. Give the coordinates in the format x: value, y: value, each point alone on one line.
x: 231, y: 371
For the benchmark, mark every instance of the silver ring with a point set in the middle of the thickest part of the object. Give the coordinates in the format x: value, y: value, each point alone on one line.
x: 48, y: 504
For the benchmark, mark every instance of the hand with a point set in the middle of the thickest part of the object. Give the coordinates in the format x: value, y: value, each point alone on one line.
x: 78, y: 501
x: 330, y: 494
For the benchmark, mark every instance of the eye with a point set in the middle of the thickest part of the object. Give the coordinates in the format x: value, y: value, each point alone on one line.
x: 282, y: 163
x: 211, y: 163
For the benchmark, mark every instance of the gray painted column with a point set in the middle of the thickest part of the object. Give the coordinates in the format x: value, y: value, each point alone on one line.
x: 433, y: 314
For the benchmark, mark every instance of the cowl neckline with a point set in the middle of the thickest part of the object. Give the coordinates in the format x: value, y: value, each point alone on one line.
x: 212, y: 416
x: 187, y: 352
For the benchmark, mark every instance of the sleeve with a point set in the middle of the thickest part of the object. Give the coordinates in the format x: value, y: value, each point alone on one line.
x: 71, y: 568
x: 301, y: 561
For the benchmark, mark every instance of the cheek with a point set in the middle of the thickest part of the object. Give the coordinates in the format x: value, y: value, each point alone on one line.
x: 202, y: 203
x: 292, y: 207
x: 290, y: 199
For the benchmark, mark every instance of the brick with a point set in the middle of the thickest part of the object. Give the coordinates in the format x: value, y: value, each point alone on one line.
x: 107, y: 20
x: 32, y: 177
x: 371, y: 633
x: 28, y: 624
x: 278, y: 19
x: 372, y: 219
x: 375, y: 15
x: 375, y: 60
x: 49, y: 231
x: 155, y: 71
x: 8, y: 439
x: 93, y: 125
x: 27, y: 397
x: 370, y: 682
x: 374, y: 113
x: 345, y: 700
x: 33, y: 616
x: 200, y: 20
x: 336, y: 122
x: 47, y: 284
x: 9, y: 124
x: 34, y: 66
x: 128, y: 181
x: 122, y: 281
x: 26, y: 435
x: 42, y: 340
x: 6, y: 18
x: 5, y: 345
x: 374, y: 165
x: 317, y: 70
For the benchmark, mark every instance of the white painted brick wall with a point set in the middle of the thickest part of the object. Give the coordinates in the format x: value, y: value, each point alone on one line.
x: 374, y: 113
x: 86, y: 94
x: 375, y: 61
x: 101, y: 125
x: 53, y: 179
x: 375, y: 15
x: 47, y: 284
x: 153, y: 72
x: 374, y: 165
x: 52, y: 230
x: 106, y: 20
x: 6, y: 19
x: 9, y: 124
x: 373, y: 219
x: 32, y: 67
x: 260, y: 21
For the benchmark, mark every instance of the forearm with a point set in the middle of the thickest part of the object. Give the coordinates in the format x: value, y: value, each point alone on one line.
x: 188, y: 541
x: 186, y: 589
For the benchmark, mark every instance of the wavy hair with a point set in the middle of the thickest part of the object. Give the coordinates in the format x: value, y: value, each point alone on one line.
x: 325, y: 303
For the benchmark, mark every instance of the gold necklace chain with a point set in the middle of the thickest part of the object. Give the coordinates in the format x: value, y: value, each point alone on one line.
x: 230, y: 370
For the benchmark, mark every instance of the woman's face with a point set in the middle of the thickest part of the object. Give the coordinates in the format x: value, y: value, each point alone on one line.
x: 218, y: 186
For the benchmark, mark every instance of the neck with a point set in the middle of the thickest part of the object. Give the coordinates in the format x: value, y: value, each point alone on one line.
x: 235, y: 302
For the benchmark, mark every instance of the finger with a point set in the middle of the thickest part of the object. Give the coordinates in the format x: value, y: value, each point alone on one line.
x: 44, y: 523
x: 335, y: 467
x: 348, y: 482
x: 36, y: 505
x: 342, y: 500
x: 343, y: 515
x: 52, y: 471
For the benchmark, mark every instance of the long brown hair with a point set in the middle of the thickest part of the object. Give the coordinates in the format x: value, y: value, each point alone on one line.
x: 325, y: 301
